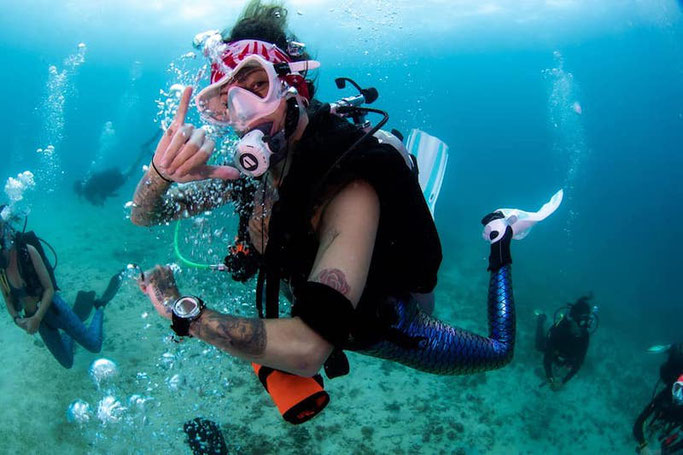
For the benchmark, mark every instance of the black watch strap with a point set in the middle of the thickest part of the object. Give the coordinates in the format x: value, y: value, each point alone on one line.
x: 181, y: 326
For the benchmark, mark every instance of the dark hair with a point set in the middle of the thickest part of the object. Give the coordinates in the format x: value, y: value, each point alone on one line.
x: 266, y: 22
x: 673, y: 367
x: 581, y: 308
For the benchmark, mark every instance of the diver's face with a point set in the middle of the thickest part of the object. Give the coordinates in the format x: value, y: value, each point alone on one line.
x: 254, y: 79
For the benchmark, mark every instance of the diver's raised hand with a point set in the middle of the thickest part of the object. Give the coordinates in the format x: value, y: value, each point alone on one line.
x: 183, y: 151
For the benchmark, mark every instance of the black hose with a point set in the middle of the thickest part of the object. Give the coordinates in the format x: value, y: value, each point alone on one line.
x: 54, y: 253
x: 380, y: 124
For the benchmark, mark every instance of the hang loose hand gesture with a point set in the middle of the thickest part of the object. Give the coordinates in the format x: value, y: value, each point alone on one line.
x: 183, y: 151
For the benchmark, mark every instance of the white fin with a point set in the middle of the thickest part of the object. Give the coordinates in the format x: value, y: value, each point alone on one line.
x: 521, y: 222
x: 432, y: 158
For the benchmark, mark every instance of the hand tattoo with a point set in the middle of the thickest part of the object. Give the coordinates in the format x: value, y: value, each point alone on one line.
x: 163, y: 284
x: 335, y: 279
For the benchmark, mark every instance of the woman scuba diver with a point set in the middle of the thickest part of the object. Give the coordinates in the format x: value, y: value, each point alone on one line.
x: 30, y: 292
x: 337, y: 216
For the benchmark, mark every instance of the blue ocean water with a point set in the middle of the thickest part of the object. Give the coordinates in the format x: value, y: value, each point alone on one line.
x: 531, y: 97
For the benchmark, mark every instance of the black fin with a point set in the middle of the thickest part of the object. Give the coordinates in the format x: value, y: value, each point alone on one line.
x: 83, y: 306
x: 112, y: 289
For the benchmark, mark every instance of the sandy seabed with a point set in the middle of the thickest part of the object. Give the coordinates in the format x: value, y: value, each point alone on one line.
x: 380, y: 407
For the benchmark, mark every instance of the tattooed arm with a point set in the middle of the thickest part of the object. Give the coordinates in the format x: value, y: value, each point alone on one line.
x: 155, y: 201
x: 279, y: 343
x: 347, y: 230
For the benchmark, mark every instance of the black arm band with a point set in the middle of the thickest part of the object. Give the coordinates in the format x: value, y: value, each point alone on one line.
x: 324, y: 310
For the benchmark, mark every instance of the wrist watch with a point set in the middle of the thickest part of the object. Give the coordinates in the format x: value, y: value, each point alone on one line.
x: 184, y: 310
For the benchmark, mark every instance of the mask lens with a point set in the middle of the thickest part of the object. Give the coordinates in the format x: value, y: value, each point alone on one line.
x: 677, y: 392
x: 252, y: 90
x: 253, y: 77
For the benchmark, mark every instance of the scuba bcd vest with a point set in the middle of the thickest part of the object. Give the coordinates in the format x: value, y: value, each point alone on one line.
x: 407, y: 251
x: 26, y: 269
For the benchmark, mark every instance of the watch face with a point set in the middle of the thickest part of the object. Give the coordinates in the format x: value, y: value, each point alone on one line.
x: 186, y: 307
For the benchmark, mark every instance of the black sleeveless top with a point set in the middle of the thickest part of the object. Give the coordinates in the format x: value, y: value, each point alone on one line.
x: 407, y: 251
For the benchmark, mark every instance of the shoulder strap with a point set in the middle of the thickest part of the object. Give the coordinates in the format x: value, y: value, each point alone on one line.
x: 4, y: 284
x: 26, y: 268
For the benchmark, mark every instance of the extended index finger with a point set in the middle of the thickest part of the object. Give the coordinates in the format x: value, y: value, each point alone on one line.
x: 184, y: 105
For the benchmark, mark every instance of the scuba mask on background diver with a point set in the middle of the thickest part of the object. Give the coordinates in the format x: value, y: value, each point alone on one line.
x: 677, y: 391
x: 580, y: 312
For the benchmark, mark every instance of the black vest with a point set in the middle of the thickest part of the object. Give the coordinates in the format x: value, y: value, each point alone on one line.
x: 407, y: 251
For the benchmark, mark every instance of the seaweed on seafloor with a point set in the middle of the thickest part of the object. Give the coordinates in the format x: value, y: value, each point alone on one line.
x: 394, y: 406
x: 360, y: 448
x: 299, y: 439
x: 387, y: 367
x: 536, y: 420
x: 422, y: 406
x: 458, y: 427
x: 354, y: 392
x: 367, y: 432
x: 242, y: 439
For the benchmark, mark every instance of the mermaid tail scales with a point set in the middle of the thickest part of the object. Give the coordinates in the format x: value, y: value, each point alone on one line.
x: 427, y: 344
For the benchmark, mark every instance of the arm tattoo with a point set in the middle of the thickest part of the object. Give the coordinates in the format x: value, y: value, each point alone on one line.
x: 335, y: 279
x: 148, y: 199
x: 155, y: 202
x: 245, y: 336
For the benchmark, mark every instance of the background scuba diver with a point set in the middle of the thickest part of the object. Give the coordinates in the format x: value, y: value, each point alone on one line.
x: 345, y: 260
x: 28, y: 285
x: 97, y: 187
x: 662, y: 418
x: 566, y: 343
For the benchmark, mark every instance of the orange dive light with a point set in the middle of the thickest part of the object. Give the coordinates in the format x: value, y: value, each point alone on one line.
x: 298, y: 398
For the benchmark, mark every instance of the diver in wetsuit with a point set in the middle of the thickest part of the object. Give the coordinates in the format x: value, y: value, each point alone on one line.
x: 99, y: 186
x: 566, y: 343
x: 662, y: 418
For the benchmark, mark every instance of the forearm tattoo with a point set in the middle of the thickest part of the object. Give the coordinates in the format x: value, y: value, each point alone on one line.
x: 335, y: 279
x: 233, y: 334
x: 148, y: 201
x: 155, y: 201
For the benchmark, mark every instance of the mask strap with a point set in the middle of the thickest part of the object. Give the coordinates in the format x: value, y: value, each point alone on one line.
x: 292, y: 116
